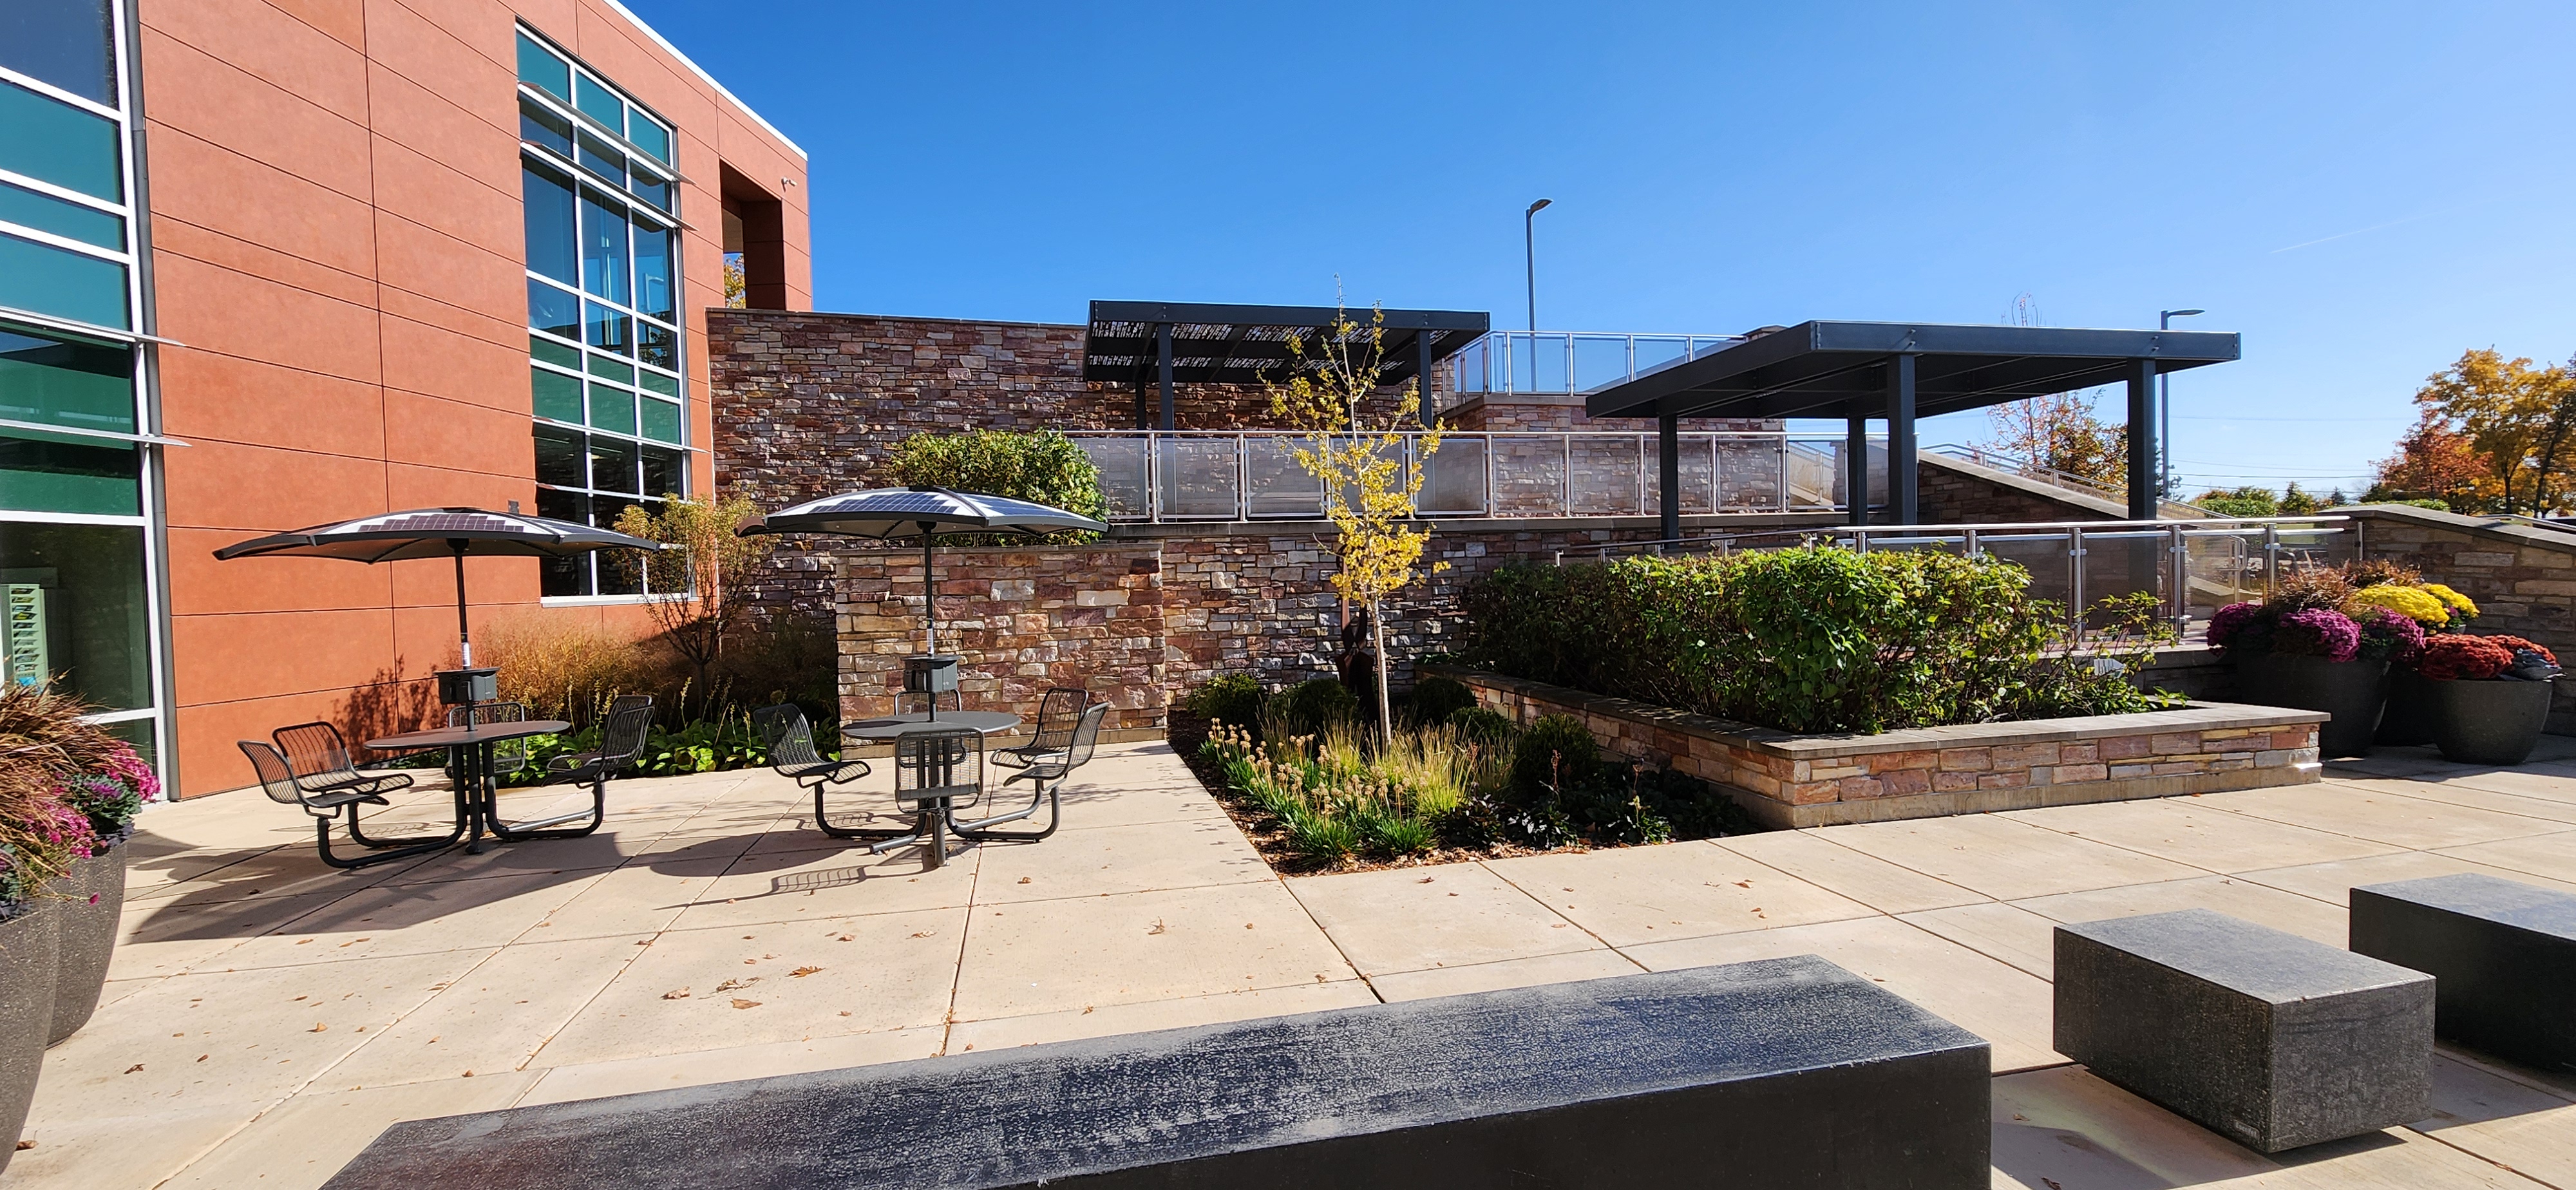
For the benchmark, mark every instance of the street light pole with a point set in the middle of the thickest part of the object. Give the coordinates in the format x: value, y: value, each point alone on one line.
x: 2164, y: 411
x: 1529, y: 258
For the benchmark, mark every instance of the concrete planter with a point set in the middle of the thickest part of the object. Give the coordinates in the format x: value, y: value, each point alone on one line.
x: 29, y: 953
x: 2408, y: 717
x: 95, y: 894
x: 2353, y: 692
x: 2496, y: 721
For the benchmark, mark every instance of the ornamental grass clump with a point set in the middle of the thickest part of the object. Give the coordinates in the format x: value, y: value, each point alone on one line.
x: 68, y: 790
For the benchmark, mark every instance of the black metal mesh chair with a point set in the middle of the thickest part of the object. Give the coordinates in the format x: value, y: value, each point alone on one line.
x: 277, y: 777
x: 937, y: 771
x: 1044, y: 767
x: 319, y: 758
x: 1058, y: 712
x: 790, y: 741
x: 621, y: 741
x: 508, y: 756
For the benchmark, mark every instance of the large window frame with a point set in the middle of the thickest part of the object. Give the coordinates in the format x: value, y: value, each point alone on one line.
x: 150, y: 725
x: 608, y: 369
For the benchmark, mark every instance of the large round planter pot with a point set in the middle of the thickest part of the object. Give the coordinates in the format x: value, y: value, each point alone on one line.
x: 28, y: 953
x: 2351, y: 691
x: 2408, y: 720
x: 2497, y: 721
x: 94, y: 892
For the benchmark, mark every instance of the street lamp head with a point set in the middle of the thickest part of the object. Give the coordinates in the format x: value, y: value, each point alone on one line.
x: 2183, y: 313
x: 1536, y: 207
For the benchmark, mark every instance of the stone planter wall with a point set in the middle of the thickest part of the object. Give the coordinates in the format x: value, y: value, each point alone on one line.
x: 2522, y: 577
x: 1790, y: 780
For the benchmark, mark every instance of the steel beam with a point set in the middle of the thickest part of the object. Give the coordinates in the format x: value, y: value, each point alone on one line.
x: 1856, y: 467
x: 2143, y: 505
x: 1163, y: 367
x: 1668, y: 470
x: 1901, y: 503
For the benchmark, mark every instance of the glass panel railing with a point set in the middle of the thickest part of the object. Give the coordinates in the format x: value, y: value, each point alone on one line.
x: 1748, y: 474
x: 1599, y: 362
x: 1275, y: 484
x: 1123, y: 477
x: 1607, y: 471
x: 1197, y: 479
x: 1453, y: 478
x: 1529, y: 474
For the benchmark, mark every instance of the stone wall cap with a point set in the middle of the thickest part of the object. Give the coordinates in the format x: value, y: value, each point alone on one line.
x: 2270, y: 965
x: 2196, y: 716
x: 2490, y: 528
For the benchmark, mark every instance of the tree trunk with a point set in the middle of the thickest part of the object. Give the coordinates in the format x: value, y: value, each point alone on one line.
x: 1377, y: 644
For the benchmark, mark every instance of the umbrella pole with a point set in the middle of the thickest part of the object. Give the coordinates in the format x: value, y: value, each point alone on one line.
x: 464, y: 641
x: 930, y: 607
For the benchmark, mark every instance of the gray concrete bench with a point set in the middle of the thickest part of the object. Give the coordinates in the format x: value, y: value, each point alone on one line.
x: 1784, y: 1072
x: 2502, y: 955
x: 2266, y: 1038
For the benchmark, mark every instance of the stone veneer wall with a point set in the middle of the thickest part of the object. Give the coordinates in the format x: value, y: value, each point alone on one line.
x: 1790, y: 780
x: 2522, y: 578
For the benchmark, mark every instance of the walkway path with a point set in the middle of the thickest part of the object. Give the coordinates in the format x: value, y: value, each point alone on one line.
x: 267, y: 1016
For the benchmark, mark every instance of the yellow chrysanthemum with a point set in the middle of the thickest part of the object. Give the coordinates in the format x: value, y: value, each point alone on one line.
x: 2457, y: 601
x: 2419, y: 606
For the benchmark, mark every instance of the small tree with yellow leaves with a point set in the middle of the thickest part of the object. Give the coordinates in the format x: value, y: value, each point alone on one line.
x: 1368, y: 490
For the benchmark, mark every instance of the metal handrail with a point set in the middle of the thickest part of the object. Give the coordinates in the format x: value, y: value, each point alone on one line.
x: 2240, y: 540
x: 2002, y: 461
x: 1157, y: 476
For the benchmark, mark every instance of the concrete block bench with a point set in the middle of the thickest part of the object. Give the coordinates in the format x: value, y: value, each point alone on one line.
x: 2266, y: 1038
x: 2502, y: 955
x: 1784, y: 1072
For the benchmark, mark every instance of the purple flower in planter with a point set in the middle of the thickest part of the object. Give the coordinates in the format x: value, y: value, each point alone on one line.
x: 2228, y: 621
x: 2317, y: 632
x: 2394, y: 636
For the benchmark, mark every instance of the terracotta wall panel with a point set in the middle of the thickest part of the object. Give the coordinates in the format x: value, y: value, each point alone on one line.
x: 442, y: 363
x: 210, y: 187
x: 459, y: 49
x: 410, y: 485
x: 261, y: 489
x: 432, y: 264
x: 433, y: 195
x: 180, y: 238
x: 214, y: 309
x: 468, y: 139
x: 272, y: 653
x: 506, y: 327
x: 493, y: 586
x: 214, y: 101
x: 312, y: 54
x: 214, y: 762
x: 436, y: 432
x: 200, y: 585
x: 230, y: 399
x: 345, y: 21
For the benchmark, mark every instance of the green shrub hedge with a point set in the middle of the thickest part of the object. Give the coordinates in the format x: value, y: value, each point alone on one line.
x: 1814, y: 639
x: 1044, y: 466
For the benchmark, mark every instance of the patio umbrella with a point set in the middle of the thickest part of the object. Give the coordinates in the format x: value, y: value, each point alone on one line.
x: 439, y: 533
x: 925, y: 512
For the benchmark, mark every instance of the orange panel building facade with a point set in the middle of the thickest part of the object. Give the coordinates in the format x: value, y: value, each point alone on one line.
x: 266, y: 264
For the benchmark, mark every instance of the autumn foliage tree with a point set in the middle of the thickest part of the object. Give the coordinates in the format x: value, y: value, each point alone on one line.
x: 1369, y: 492
x: 2496, y: 434
x: 2060, y: 433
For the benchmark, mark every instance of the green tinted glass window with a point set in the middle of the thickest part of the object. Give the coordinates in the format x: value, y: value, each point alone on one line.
x: 554, y: 353
x: 599, y: 103
x: 66, y: 475
x: 538, y: 126
x: 52, y: 141
x: 661, y: 422
x: 560, y: 460
x: 64, y: 383
x: 552, y: 310
x: 44, y: 212
x: 619, y: 371
x: 61, y: 282
x: 649, y: 135
x: 540, y: 68
x: 612, y: 409
x: 555, y: 395
x: 75, y: 602
x: 656, y: 382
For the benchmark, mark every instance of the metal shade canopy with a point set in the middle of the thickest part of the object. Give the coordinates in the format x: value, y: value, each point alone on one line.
x: 439, y: 533
x: 924, y: 512
x: 1169, y: 343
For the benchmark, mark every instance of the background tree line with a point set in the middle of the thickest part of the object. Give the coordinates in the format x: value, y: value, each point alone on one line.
x: 2492, y: 435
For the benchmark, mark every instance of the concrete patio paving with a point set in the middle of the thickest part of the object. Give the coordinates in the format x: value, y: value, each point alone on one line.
x: 267, y: 1016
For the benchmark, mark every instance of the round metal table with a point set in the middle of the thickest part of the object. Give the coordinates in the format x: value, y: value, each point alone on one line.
x: 887, y: 727
x: 482, y: 803
x: 893, y: 727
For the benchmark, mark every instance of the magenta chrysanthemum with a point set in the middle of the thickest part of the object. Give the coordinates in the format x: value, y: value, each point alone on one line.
x: 2317, y: 632
x: 2227, y: 621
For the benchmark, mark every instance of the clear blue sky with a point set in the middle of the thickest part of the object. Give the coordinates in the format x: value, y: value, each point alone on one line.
x: 2364, y: 190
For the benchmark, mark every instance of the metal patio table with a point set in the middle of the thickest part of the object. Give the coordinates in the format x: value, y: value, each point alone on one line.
x: 888, y: 728
x: 482, y: 806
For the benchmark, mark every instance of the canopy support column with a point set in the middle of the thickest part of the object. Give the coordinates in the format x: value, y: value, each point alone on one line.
x: 2143, y: 455
x: 1163, y: 369
x: 1901, y: 502
x: 1856, y: 467
x: 1668, y: 475
x: 1422, y: 376
x: 1144, y: 414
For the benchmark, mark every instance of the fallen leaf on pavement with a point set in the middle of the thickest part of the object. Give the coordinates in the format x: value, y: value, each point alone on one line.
x: 133, y: 1068
x: 1024, y: 879
x: 1158, y: 926
x: 802, y: 972
x: 676, y: 994
x: 319, y: 1027
x: 742, y: 1003
x: 203, y: 1057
